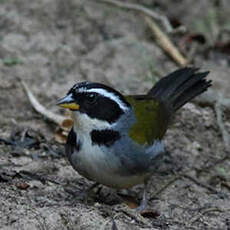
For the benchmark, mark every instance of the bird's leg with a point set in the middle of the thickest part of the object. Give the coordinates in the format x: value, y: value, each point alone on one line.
x: 143, y: 203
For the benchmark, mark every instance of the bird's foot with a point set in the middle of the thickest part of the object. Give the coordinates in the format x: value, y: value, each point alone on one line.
x: 142, y: 206
x: 143, y: 203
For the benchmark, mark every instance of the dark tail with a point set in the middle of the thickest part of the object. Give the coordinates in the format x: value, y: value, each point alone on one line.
x: 179, y: 87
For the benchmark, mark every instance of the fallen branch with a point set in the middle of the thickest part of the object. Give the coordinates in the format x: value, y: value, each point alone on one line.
x: 161, y: 38
x: 165, y: 43
x: 130, y: 6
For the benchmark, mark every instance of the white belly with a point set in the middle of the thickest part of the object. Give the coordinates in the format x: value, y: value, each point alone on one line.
x: 118, y: 169
x: 103, y: 167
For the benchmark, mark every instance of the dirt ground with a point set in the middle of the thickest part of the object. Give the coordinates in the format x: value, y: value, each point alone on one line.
x: 52, y: 44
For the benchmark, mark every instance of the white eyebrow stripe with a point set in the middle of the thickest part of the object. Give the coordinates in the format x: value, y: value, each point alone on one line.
x: 110, y: 95
x: 82, y: 89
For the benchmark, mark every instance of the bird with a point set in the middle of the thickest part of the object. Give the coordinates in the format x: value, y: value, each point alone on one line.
x: 116, y: 139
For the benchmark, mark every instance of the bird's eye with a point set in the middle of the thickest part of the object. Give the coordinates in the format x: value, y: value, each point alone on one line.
x: 91, y: 98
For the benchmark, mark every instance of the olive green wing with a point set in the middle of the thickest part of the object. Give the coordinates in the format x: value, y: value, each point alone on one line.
x: 155, y: 110
x: 152, y: 119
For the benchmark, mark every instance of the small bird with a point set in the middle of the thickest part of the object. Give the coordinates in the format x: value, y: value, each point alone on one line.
x: 116, y: 139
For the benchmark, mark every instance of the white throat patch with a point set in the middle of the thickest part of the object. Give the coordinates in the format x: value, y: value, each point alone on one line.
x: 84, y: 124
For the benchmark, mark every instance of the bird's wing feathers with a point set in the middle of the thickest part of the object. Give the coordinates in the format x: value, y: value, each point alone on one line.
x: 154, y: 110
x: 152, y: 119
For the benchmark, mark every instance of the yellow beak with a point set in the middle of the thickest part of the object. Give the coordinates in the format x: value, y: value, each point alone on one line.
x: 68, y: 103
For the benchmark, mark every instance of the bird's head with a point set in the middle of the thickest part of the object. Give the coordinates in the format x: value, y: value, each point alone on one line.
x: 97, y: 106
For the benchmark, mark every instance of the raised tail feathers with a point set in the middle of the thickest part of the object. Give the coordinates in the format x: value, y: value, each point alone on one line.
x: 179, y: 87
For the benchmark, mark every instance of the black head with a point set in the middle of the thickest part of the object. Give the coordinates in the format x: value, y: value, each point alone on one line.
x: 96, y: 100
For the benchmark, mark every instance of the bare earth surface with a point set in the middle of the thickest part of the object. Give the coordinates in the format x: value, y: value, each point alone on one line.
x: 53, y: 44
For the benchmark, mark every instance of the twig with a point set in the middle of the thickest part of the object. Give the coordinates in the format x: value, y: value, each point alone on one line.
x: 39, y: 107
x: 181, y: 176
x: 165, y: 43
x: 210, y: 188
x: 225, y: 135
x: 152, y: 196
x: 218, y: 102
x: 161, y: 38
x: 57, y: 119
x: 163, y: 19
x: 206, y: 211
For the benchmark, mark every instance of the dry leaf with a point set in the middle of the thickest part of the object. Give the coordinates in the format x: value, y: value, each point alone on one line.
x: 67, y: 124
x: 61, y: 136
